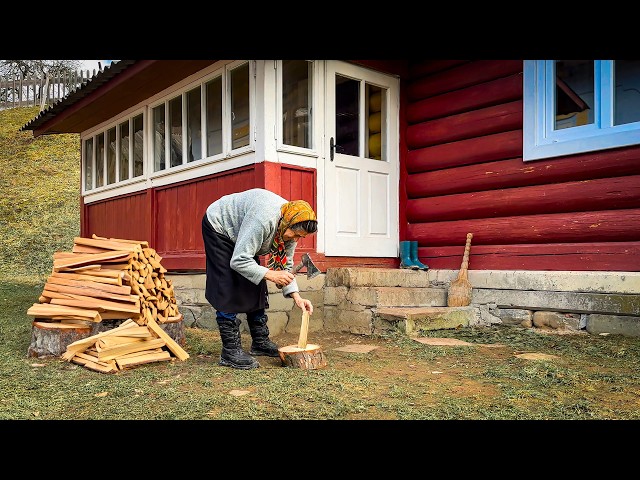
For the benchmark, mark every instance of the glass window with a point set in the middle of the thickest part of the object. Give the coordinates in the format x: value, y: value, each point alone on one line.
x: 194, y: 125
x: 218, y: 106
x: 296, y: 102
x: 376, y: 124
x: 158, y: 138
x: 138, y: 150
x: 88, y: 164
x: 574, y: 93
x: 100, y: 160
x: 240, y: 124
x: 111, y: 155
x: 626, y: 107
x: 107, y: 155
x: 124, y: 151
x: 576, y: 106
x: 213, y: 102
x: 175, y: 143
x: 347, y: 116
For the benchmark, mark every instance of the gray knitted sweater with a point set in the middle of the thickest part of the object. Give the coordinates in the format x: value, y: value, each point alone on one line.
x: 250, y: 219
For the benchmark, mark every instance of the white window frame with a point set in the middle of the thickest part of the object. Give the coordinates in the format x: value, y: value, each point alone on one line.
x: 315, y: 111
x: 102, y: 132
x: 540, y: 140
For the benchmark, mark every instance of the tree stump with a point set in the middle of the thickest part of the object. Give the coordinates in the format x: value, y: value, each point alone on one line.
x: 175, y: 329
x: 50, y: 339
x: 309, y: 358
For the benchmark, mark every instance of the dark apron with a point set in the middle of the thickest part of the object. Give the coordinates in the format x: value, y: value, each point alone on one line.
x: 226, y: 290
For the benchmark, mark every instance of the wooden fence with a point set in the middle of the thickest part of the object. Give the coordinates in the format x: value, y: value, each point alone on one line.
x: 43, y: 90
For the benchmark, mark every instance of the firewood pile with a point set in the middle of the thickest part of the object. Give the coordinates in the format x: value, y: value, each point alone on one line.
x: 123, y: 347
x: 110, y: 279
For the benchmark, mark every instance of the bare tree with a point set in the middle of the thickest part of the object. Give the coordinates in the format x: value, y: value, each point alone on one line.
x: 44, y: 69
x: 41, y: 67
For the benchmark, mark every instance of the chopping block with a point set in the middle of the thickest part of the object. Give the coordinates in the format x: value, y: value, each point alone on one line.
x: 304, y: 355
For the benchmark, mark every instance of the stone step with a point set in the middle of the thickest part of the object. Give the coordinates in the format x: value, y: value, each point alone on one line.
x: 385, y: 296
x: 375, y: 277
x: 414, y: 320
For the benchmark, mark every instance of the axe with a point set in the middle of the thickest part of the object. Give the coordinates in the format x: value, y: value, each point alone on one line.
x: 312, y: 270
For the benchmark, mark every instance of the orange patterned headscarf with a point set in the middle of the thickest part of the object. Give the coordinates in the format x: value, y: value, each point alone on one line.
x: 292, y: 213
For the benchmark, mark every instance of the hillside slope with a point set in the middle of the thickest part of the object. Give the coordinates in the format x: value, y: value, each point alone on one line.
x: 40, y: 200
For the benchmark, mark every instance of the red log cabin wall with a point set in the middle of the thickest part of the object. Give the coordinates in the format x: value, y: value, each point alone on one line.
x: 170, y: 217
x: 464, y: 173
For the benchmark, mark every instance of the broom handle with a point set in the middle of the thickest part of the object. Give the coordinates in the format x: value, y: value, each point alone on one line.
x: 467, y: 248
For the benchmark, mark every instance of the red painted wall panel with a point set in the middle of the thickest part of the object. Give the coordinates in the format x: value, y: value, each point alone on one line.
x: 596, y: 256
x: 465, y: 75
x: 476, y: 97
x: 122, y: 217
x: 464, y: 173
x: 583, y: 196
x: 170, y: 217
x: 476, y: 123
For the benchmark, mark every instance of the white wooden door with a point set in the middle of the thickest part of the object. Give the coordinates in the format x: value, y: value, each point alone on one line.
x: 361, y: 165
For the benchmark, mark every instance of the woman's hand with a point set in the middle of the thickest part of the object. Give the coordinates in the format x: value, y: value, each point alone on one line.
x: 280, y: 277
x: 303, y: 303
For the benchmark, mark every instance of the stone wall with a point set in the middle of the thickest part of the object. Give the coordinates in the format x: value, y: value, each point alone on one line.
x: 596, y: 302
x: 284, y: 315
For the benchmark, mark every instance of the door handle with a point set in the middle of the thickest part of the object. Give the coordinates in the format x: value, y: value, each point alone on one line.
x: 334, y: 147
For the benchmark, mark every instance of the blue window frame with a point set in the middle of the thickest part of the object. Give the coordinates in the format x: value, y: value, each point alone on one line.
x: 576, y: 106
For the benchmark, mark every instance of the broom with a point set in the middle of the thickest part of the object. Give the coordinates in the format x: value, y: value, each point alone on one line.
x: 459, y: 294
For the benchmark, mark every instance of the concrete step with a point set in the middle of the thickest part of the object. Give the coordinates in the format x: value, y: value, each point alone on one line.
x: 376, y: 277
x: 385, y: 296
x: 414, y: 320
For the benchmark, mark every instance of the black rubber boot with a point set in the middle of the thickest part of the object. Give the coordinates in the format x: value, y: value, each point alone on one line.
x: 232, y: 354
x: 260, y: 342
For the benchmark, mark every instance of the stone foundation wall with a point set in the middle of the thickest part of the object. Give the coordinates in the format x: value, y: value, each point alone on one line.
x: 283, y: 314
x: 596, y: 302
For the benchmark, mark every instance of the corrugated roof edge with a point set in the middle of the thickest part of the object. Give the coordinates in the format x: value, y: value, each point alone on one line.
x: 99, y: 79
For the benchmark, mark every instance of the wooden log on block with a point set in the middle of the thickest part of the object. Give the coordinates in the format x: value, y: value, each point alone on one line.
x: 303, y: 355
x: 309, y: 358
x: 49, y: 339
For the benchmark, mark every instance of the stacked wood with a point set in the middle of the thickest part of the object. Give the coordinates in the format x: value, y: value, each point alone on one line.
x: 108, y: 278
x: 123, y: 347
x: 103, y: 279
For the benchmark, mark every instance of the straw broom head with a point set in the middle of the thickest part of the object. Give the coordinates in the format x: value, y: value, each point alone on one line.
x: 459, y: 293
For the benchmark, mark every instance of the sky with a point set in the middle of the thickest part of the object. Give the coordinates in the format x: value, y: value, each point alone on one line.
x: 93, y: 64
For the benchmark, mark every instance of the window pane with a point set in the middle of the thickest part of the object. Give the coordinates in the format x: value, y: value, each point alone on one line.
x: 124, y: 150
x: 574, y: 93
x: 100, y: 160
x: 347, y: 115
x: 626, y: 107
x: 138, y: 136
x: 240, y: 106
x: 376, y: 123
x: 111, y: 155
x: 88, y: 164
x: 194, y: 122
x: 214, y: 116
x: 175, y: 114
x: 296, y: 103
x: 159, y: 136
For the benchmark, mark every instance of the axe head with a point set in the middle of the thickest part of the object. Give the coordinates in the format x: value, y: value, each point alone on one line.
x: 312, y: 270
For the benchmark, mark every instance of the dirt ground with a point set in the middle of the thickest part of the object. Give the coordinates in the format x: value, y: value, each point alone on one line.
x: 508, y: 373
x: 385, y: 360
